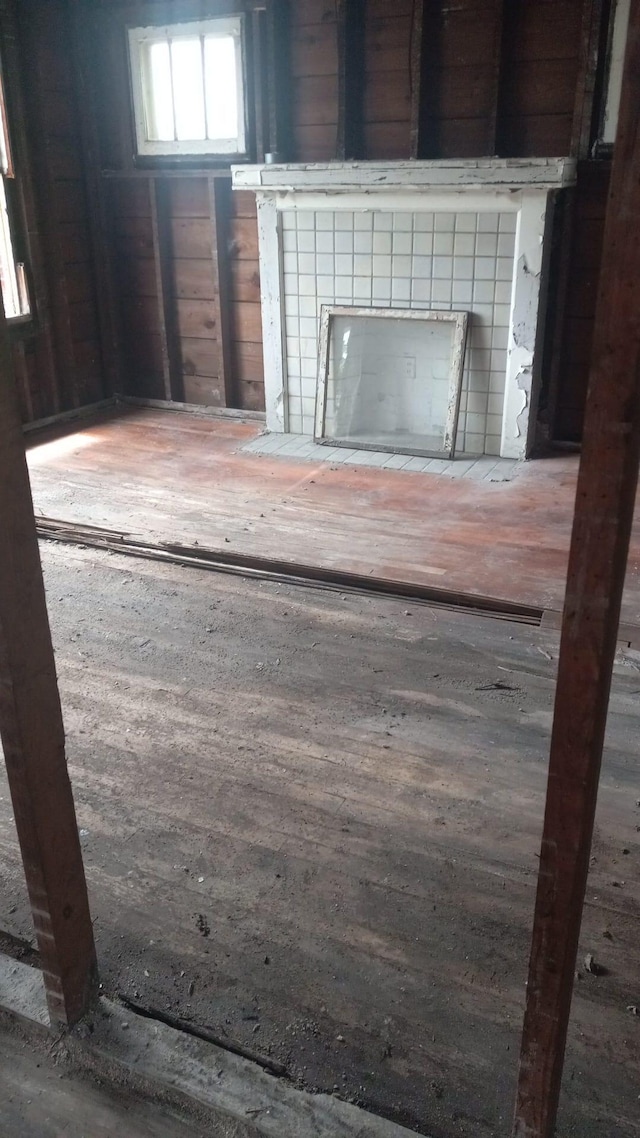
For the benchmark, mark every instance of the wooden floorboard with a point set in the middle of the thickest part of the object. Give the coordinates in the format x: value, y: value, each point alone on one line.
x: 173, y: 477
x: 311, y: 822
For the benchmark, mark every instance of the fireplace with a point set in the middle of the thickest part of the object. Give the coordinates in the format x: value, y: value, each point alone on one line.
x: 469, y: 236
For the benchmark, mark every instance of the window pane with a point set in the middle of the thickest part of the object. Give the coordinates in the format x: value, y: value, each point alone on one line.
x: 8, y: 278
x: 158, y: 101
x: 188, y: 89
x: 221, y: 86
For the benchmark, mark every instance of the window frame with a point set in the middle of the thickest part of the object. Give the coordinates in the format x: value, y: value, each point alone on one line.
x: 616, y: 34
x: 12, y: 220
x: 137, y: 39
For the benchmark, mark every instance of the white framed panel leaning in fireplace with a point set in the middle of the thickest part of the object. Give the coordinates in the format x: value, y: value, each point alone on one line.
x: 390, y: 379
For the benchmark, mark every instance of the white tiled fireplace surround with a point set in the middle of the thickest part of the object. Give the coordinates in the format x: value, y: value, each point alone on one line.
x: 469, y: 235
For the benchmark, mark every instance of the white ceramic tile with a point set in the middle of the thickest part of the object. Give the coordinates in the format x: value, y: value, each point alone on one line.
x: 381, y: 243
x: 494, y: 424
x: 464, y: 244
x: 497, y: 380
x: 477, y: 403
x: 480, y: 358
x: 443, y: 244
x: 422, y: 267
x: 400, y: 267
x: 401, y: 243
x: 363, y: 220
x: 307, y: 285
x: 293, y: 366
x: 466, y: 222
x: 483, y: 292
x: 363, y: 241
x: 305, y: 219
x: 486, y: 244
x: 508, y: 222
x: 324, y: 264
x: 381, y: 265
x: 443, y: 268
x: 295, y: 418
x: 402, y: 222
x: 325, y: 220
x: 288, y: 220
x: 499, y: 338
x: 484, y: 269
x: 294, y: 383
x: 420, y: 290
x: 308, y: 348
x: 362, y: 288
x: 504, y: 269
x: 306, y: 241
x: 292, y: 330
x: 492, y: 445
x: 289, y: 241
x: 401, y: 290
x: 308, y: 326
x: 308, y: 386
x: 381, y: 289
x: 462, y: 292
x: 324, y: 242
x: 344, y: 219
x: 326, y: 285
x: 344, y: 242
x: 308, y: 304
x: 483, y: 314
x: 344, y: 265
x: 479, y: 382
x: 463, y: 268
x: 422, y: 244
x: 291, y: 284
x: 501, y: 314
x: 308, y: 366
x: 498, y: 359
x: 306, y: 263
x: 488, y: 222
x: 474, y: 443
x: 441, y: 291
x: 362, y: 265
x: 291, y: 305
x: 494, y: 406
x: 502, y: 294
x: 444, y: 222
x: 423, y: 222
x: 383, y: 222
x: 506, y: 244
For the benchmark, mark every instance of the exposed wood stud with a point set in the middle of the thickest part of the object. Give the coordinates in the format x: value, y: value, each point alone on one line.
x: 417, y: 38
x: 220, y: 207
x: 107, y: 307
x: 171, y: 370
x: 606, y: 492
x: 593, y: 39
x: 32, y: 734
x: 351, y: 71
x: 493, y: 124
x: 260, y: 100
x: 277, y: 68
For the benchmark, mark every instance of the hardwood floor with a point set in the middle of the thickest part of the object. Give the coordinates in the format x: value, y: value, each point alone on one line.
x: 311, y: 821
x: 173, y: 477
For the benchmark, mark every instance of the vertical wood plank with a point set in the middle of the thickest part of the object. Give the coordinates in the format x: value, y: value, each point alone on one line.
x: 351, y: 70
x: 278, y: 88
x: 593, y: 41
x: 220, y: 207
x: 493, y: 124
x: 103, y: 269
x: 166, y: 320
x: 260, y: 101
x: 32, y: 734
x: 606, y: 492
x: 417, y: 43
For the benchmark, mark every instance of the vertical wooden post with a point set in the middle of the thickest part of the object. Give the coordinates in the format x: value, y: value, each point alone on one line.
x: 278, y: 69
x: 603, y: 517
x: 220, y: 209
x: 350, y: 32
x: 499, y: 51
x: 593, y: 40
x: 171, y: 370
x: 32, y: 735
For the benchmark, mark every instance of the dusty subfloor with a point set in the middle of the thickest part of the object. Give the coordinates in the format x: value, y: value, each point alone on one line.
x: 311, y: 822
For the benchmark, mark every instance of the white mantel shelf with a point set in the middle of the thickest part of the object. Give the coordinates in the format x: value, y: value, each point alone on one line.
x: 420, y: 176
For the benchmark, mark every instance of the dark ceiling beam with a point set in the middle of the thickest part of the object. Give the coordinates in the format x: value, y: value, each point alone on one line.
x: 606, y: 492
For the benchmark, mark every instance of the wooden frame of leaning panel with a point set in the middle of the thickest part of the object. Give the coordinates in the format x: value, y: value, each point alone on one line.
x: 459, y: 319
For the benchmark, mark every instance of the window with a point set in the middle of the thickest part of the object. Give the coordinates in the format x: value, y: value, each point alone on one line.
x: 188, y: 89
x: 13, y: 280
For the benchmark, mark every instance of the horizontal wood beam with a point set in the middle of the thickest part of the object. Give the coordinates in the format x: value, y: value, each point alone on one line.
x: 32, y: 735
x: 607, y: 484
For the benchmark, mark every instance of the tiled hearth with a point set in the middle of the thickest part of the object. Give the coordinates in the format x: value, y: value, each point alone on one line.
x: 468, y: 236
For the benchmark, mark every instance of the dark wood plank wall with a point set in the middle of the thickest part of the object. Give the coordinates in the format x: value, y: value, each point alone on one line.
x: 57, y: 354
x: 444, y: 79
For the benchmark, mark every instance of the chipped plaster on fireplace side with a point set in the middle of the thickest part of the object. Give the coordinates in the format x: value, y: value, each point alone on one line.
x: 525, y: 304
